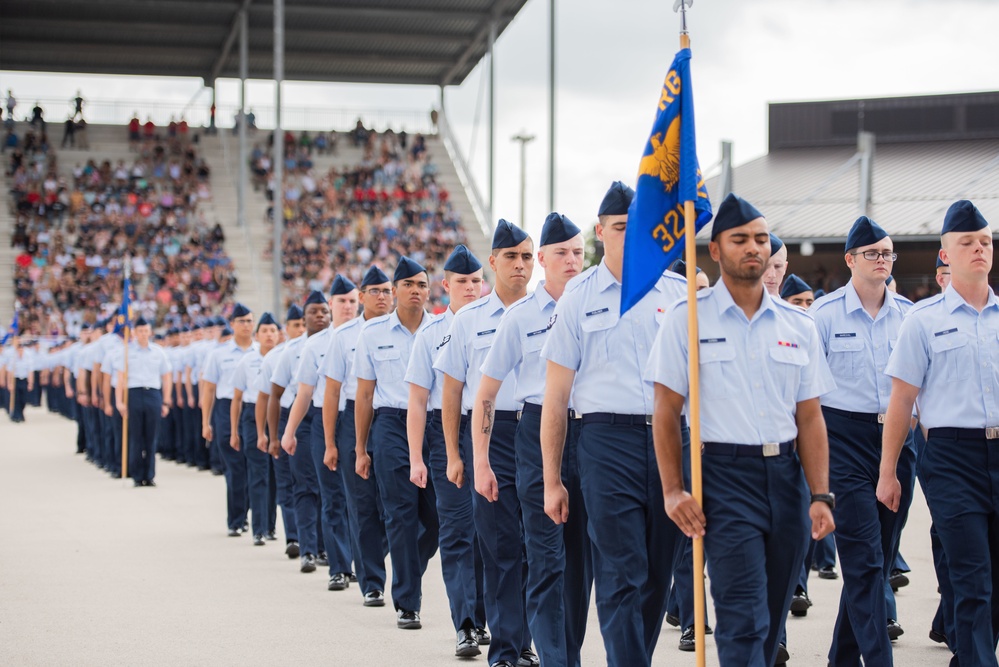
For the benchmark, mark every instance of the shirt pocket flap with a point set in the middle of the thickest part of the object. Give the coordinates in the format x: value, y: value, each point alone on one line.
x: 948, y: 342
x: 600, y: 322
x: 844, y: 345
x: 795, y: 356
x: 483, y: 342
x: 389, y: 354
x: 533, y: 343
x: 711, y: 352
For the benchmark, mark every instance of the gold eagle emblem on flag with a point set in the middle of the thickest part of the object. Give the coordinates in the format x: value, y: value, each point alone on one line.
x: 664, y: 160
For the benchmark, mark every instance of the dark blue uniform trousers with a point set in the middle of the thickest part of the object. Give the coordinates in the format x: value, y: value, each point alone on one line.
x: 144, y: 410
x: 757, y: 517
x: 257, y: 469
x: 459, y: 552
x: 559, y: 558
x: 116, y: 429
x: 680, y: 602
x: 333, y: 504
x: 500, y: 534
x: 20, y: 399
x: 284, y: 485
x: 410, y: 512
x: 305, y: 486
x: 169, y: 436
x: 960, y: 475
x: 237, y: 498
x: 198, y: 446
x: 633, y: 540
x: 866, y: 535
x: 364, y: 507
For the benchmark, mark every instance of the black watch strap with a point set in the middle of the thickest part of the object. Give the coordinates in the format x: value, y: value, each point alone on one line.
x: 827, y: 498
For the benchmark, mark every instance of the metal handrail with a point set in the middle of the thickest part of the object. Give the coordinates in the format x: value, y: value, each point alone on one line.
x: 479, y: 207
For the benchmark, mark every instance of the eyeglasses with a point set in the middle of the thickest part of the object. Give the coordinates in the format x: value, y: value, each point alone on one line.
x: 872, y: 255
x: 378, y: 292
x: 243, y: 320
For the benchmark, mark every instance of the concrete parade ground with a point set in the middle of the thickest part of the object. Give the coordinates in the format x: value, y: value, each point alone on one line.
x: 96, y: 572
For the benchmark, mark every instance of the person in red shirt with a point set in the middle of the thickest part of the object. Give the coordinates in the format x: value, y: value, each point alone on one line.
x: 149, y: 129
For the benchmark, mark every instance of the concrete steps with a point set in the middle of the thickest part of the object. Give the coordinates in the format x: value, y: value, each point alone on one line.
x: 7, y: 254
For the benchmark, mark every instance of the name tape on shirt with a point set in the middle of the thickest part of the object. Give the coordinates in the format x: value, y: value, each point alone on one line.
x: 945, y: 332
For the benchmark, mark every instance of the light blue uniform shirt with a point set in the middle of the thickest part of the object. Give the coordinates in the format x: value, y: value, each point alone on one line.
x: 244, y: 378
x: 104, y: 343
x: 516, y: 349
x: 84, y: 359
x: 609, y: 352
x: 221, y: 364
x: 429, y: 341
x: 857, y: 347
x: 23, y: 364
x: 951, y: 352
x: 339, y: 361
x: 313, y: 356
x: 472, y: 332
x: 114, y: 361
x: 146, y: 366
x: 382, y: 354
x: 263, y: 379
x: 753, y: 372
x: 283, y: 372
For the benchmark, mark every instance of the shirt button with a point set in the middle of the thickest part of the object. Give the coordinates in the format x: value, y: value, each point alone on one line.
x: 757, y: 385
x: 752, y: 355
x: 762, y: 413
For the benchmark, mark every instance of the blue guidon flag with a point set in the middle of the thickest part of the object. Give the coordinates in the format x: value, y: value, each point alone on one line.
x: 668, y: 176
x: 123, y: 318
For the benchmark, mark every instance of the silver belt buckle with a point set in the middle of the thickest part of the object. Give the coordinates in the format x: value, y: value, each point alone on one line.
x: 771, y: 449
x: 648, y: 420
x: 573, y: 414
x: 881, y: 418
x: 992, y: 432
x: 520, y: 413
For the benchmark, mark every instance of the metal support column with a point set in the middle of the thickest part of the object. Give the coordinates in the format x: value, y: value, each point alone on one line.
x: 492, y: 124
x: 865, y: 146
x: 244, y: 50
x: 278, y: 203
x: 524, y: 138
x: 551, y: 106
x: 725, y: 186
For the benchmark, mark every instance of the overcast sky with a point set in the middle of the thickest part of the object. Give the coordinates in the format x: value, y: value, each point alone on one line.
x: 612, y: 56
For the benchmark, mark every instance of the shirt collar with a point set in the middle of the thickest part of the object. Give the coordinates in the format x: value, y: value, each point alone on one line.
x: 605, y: 279
x: 493, y: 304
x: 394, y: 321
x: 853, y: 302
x: 953, y: 300
x: 542, y: 297
x: 725, y: 301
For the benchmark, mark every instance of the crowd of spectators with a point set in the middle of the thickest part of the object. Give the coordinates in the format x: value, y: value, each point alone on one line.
x: 75, y: 227
x: 346, y: 219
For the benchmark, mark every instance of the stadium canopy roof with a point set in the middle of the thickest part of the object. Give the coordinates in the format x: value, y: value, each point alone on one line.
x: 425, y: 42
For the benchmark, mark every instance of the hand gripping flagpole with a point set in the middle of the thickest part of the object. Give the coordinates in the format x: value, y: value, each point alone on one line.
x: 124, y: 394
x: 694, y: 405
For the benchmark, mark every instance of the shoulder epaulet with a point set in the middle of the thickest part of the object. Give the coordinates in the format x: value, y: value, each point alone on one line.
x: 831, y: 297
x: 781, y: 303
x: 522, y: 300
x: 375, y: 320
x: 904, y: 300
x: 475, y: 305
x: 574, y: 283
x: 670, y: 275
x: 925, y: 303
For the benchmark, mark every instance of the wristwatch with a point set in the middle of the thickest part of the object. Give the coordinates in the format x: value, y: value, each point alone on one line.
x: 827, y: 498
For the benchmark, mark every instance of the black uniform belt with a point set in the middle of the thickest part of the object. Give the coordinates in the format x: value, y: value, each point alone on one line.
x: 535, y: 409
x: 627, y: 420
x: 990, y: 433
x: 501, y: 415
x: 349, y: 405
x: 869, y: 417
x: 439, y: 414
x: 395, y: 412
x: 767, y: 449
x: 144, y: 389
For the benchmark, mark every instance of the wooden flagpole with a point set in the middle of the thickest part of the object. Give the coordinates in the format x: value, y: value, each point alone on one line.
x: 124, y: 393
x: 694, y: 403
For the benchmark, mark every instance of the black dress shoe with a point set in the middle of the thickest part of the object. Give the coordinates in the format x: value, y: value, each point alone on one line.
x: 234, y: 532
x: 308, y: 563
x: 246, y: 526
x: 528, y: 658
x: 136, y: 483
x: 150, y: 482
x: 466, y: 646
x: 938, y: 637
x: 258, y: 540
x: 687, y: 641
x: 353, y: 578
x: 782, y: 655
x: 374, y: 599
x: 408, y: 620
x: 800, y: 602
x: 828, y: 572
x: 338, y: 582
x: 894, y: 629
x: 482, y: 636
x: 322, y: 560
x: 673, y: 620
x: 897, y: 580
x: 291, y: 550
x: 270, y: 536
x: 217, y: 472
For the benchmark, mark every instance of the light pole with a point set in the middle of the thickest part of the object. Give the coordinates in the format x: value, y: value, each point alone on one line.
x: 524, y: 139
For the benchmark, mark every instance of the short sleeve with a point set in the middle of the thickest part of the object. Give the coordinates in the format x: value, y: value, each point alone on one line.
x: 669, y: 358
x: 165, y: 365
x: 282, y: 370
x: 506, y: 351
x: 239, y: 376
x: 564, y: 345
x: 816, y: 378
x: 452, y: 359
x: 335, y: 363
x: 307, y: 371
x: 910, y: 360
x: 364, y: 367
x: 210, y: 373
x: 421, y: 362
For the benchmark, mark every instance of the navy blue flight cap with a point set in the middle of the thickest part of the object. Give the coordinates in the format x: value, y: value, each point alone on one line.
x: 864, y: 232
x: 267, y: 318
x: 141, y: 322
x: 735, y: 212
x: 406, y: 268
x: 507, y: 235
x: 294, y: 313
x: 819, y: 293
x: 374, y: 276
x: 462, y: 261
x: 617, y: 200
x: 558, y: 228
x: 963, y: 216
x: 239, y: 311
x: 185, y: 329
x: 680, y: 267
x: 940, y: 262
x: 227, y: 331
x: 793, y: 286
x: 775, y: 244
x: 341, y: 285
x: 172, y: 331
x: 219, y: 321
x: 889, y: 280
x: 315, y: 296
x: 197, y: 326
x: 158, y: 337
x: 85, y: 326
